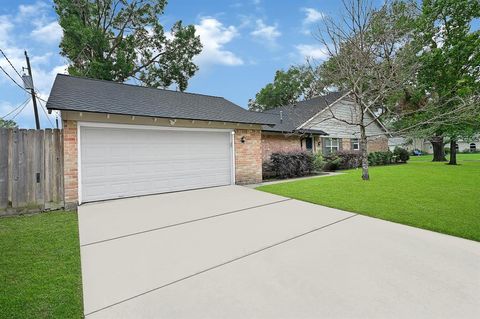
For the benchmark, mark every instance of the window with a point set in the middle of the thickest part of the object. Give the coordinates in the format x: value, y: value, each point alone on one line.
x: 473, y: 147
x: 355, y: 144
x: 309, y: 143
x: 330, y: 145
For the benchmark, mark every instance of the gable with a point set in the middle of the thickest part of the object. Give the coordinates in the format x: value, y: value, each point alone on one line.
x: 348, y: 111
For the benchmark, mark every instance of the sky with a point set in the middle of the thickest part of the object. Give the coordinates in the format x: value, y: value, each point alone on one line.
x: 244, y: 43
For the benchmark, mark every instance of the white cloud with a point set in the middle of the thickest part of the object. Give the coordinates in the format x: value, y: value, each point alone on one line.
x: 312, y: 15
x: 266, y: 32
x: 214, y: 36
x: 49, y: 33
x: 31, y: 10
x: 45, y: 60
x: 315, y: 52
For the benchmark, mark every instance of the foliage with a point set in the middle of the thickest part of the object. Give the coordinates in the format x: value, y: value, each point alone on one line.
x: 413, y: 194
x: 332, y: 162
x: 442, y: 100
x: 40, y: 266
x: 447, y: 150
x: 288, y: 87
x: 291, y: 164
x: 7, y: 123
x: 380, y: 158
x: 318, y: 162
x: 121, y: 39
x: 401, y: 154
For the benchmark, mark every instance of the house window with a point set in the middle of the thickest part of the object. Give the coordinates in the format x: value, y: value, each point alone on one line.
x: 330, y: 145
x: 355, y: 144
x: 309, y: 143
x: 473, y: 147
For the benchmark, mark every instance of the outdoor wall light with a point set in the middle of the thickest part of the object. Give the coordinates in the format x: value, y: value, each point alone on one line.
x: 242, y: 139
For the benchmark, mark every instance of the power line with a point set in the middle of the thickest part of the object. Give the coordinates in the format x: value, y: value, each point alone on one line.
x: 3, y: 53
x: 6, y: 73
x: 22, y: 104
x: 14, y: 116
x: 43, y: 109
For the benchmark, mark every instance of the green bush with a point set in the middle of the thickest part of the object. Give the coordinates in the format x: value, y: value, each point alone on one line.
x: 288, y: 164
x: 318, y: 162
x: 401, y: 155
x: 380, y: 158
x: 447, y: 150
x: 332, y: 162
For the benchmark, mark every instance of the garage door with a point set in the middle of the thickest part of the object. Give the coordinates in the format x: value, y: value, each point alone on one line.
x: 123, y: 162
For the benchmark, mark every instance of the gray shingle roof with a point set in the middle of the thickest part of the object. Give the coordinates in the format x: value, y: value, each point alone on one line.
x: 297, y: 114
x: 70, y: 93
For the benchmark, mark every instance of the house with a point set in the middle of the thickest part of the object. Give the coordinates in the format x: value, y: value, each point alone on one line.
x: 309, y: 126
x: 424, y: 145
x: 122, y: 140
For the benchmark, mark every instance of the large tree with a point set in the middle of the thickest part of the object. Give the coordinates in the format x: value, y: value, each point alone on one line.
x: 121, y: 39
x: 366, y: 50
x: 288, y: 87
x: 450, y: 66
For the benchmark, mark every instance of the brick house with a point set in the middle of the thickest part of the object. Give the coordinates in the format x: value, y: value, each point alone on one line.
x: 309, y: 126
x: 123, y: 140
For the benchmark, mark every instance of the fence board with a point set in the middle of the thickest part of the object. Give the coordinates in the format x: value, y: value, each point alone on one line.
x: 31, y: 170
x: 4, y: 142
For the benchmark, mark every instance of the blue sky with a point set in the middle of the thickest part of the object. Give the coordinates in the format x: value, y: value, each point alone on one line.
x: 245, y: 42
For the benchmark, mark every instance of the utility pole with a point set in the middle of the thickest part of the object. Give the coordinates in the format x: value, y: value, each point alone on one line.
x: 32, y: 91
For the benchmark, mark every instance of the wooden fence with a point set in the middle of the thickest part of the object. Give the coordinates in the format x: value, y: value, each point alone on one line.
x: 31, y: 170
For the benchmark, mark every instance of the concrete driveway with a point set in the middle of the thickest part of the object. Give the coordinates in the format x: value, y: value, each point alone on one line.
x: 234, y: 252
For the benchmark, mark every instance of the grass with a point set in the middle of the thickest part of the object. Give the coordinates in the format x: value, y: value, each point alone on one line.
x: 40, y: 266
x: 434, y: 196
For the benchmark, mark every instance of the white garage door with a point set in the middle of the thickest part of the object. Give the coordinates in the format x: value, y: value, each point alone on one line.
x: 123, y: 162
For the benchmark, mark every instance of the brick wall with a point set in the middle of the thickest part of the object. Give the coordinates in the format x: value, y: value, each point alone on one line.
x: 346, y: 144
x: 70, y: 167
x: 377, y: 144
x: 279, y: 143
x: 248, y: 156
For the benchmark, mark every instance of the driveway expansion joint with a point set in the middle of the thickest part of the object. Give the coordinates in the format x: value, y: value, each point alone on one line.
x: 185, y: 222
x: 228, y: 261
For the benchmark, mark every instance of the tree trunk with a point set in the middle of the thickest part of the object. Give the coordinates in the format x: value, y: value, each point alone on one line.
x: 453, y: 152
x: 438, y: 149
x: 363, y: 147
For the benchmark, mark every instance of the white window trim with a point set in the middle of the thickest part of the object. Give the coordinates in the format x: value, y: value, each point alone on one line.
x: 81, y: 124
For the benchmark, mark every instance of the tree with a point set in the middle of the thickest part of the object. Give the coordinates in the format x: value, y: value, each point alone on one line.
x: 450, y: 65
x: 120, y: 39
x: 366, y: 50
x: 7, y: 123
x: 288, y: 87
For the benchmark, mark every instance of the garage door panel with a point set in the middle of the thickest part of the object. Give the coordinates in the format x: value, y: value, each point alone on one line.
x: 122, y: 162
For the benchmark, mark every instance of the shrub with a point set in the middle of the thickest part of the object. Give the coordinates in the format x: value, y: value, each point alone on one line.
x: 318, y: 162
x: 349, y: 159
x: 289, y: 164
x: 332, y: 162
x: 446, y: 150
x: 380, y: 158
x: 401, y: 155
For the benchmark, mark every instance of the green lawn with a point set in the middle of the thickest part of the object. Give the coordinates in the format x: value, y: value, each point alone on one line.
x: 40, y: 266
x: 423, y: 194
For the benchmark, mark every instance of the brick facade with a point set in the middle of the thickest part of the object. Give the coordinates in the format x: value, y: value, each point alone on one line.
x: 377, y: 144
x: 346, y: 144
x: 70, y: 165
x: 248, y: 156
x: 272, y: 143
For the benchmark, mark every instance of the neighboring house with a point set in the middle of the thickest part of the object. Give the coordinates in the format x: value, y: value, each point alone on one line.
x: 424, y: 145
x: 309, y: 125
x: 123, y: 140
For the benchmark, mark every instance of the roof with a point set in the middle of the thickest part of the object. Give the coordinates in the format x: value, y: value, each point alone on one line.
x: 71, y: 93
x: 294, y: 115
